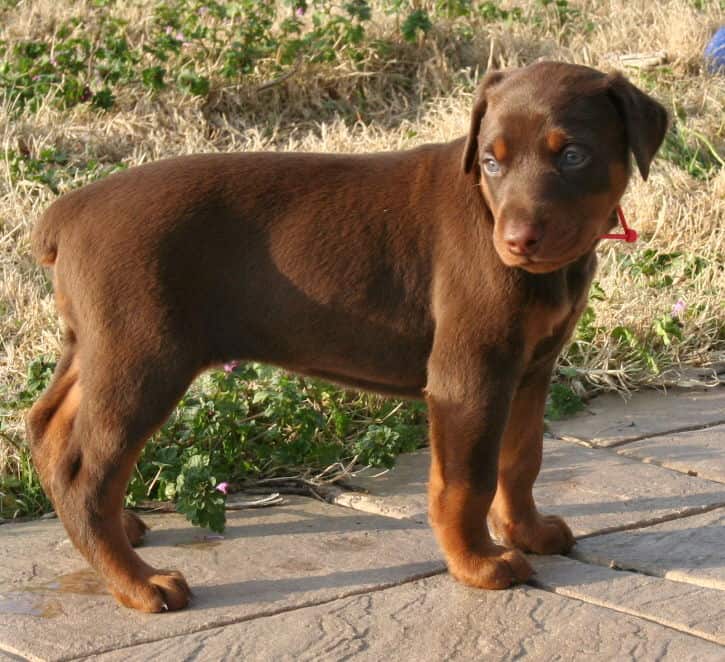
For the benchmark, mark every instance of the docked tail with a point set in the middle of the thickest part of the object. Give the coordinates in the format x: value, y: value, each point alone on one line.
x: 44, y: 237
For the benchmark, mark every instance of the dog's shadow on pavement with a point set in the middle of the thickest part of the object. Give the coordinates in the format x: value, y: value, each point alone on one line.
x: 310, y: 589
x: 282, y: 521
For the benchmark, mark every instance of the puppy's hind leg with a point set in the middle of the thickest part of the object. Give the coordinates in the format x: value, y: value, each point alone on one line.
x: 134, y: 527
x: 119, y: 402
x: 49, y: 424
x: 50, y: 420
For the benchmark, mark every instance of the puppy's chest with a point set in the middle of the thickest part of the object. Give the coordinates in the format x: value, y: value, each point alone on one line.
x: 547, y: 327
x: 554, y: 304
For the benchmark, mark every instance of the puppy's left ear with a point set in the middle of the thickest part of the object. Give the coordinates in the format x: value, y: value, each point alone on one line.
x: 645, y: 120
x: 479, y: 110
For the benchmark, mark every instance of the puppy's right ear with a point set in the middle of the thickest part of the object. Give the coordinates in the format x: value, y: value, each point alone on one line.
x: 479, y: 110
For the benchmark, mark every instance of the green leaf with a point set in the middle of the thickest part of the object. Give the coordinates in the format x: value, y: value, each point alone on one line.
x: 103, y: 99
x: 193, y: 83
x: 417, y: 20
x: 359, y: 9
x: 153, y: 77
x: 596, y: 293
x: 562, y: 403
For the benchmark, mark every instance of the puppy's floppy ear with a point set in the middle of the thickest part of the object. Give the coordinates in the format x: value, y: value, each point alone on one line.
x: 645, y: 120
x: 479, y: 110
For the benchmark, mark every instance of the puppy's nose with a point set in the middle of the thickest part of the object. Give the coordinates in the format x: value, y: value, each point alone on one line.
x: 523, y: 239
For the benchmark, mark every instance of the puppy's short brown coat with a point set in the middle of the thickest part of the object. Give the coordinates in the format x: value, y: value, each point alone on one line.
x: 453, y: 272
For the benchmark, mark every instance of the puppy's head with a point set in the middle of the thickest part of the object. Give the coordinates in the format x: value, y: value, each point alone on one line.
x: 550, y: 146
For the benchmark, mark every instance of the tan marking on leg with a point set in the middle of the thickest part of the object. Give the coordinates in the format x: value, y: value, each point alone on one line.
x: 513, y: 515
x: 457, y: 512
x: 50, y: 422
x: 471, y: 555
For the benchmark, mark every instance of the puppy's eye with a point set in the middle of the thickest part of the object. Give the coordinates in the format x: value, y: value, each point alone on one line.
x: 491, y: 165
x: 573, y: 156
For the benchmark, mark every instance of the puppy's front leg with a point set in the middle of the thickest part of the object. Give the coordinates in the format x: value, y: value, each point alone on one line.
x: 514, y: 516
x: 468, y: 402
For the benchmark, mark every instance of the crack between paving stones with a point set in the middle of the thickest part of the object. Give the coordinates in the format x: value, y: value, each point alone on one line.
x: 641, y: 460
x: 659, y: 463
x: 630, y: 440
x: 648, y: 460
x: 13, y: 654
x: 264, y: 614
x: 688, y: 512
x: 624, y: 610
x: 617, y: 566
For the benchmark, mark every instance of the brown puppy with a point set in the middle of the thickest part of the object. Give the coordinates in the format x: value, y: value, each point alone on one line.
x: 453, y: 272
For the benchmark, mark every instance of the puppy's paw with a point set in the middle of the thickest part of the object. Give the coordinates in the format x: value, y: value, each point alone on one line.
x: 166, y: 590
x: 134, y: 527
x: 540, y: 534
x: 494, y: 568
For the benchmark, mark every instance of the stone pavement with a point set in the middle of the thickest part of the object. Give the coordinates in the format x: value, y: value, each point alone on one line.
x: 641, y: 483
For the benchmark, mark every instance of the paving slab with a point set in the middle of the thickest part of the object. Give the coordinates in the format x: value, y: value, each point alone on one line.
x: 436, y: 619
x: 692, y: 609
x: 53, y: 607
x: 400, y: 492
x: 691, y: 550
x: 698, y: 453
x: 609, y: 420
x: 595, y: 490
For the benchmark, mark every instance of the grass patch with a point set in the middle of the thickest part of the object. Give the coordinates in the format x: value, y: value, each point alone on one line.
x: 54, y: 168
x: 692, y: 152
x: 227, y: 52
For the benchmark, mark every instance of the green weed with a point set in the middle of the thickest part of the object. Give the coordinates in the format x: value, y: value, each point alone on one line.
x: 234, y: 426
x: 562, y: 403
x: 20, y: 491
x: 253, y: 421
x: 91, y: 58
x: 644, y: 347
x: 691, y: 151
x: 662, y: 270
x: 54, y: 168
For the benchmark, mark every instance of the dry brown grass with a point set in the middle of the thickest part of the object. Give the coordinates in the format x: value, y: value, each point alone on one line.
x: 674, y: 211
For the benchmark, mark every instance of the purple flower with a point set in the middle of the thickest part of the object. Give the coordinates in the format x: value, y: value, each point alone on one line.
x: 679, y: 308
x: 169, y: 29
x: 223, y: 488
x: 180, y: 36
x: 300, y: 11
x: 203, y: 11
x: 231, y: 366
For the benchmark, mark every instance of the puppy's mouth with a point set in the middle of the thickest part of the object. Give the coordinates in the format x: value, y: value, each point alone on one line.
x: 540, y: 262
x: 550, y: 255
x: 534, y: 264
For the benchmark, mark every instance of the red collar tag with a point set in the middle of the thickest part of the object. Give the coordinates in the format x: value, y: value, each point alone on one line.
x: 629, y: 235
